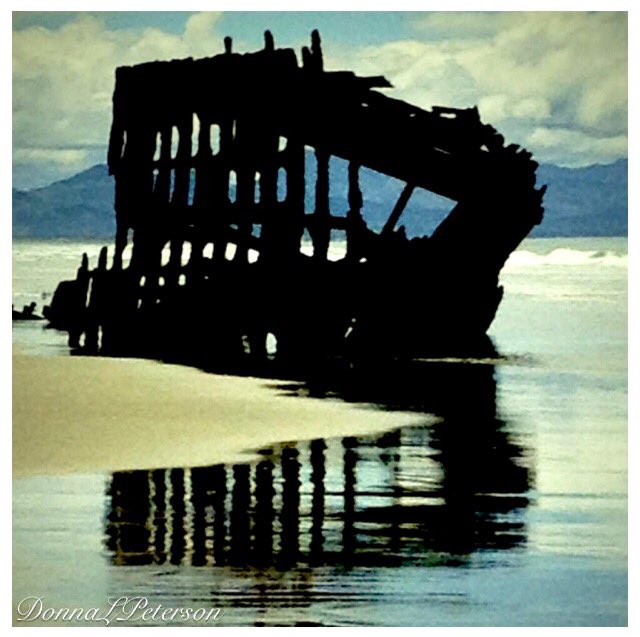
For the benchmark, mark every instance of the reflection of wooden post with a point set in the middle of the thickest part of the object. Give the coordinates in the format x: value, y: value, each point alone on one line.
x: 208, y: 489
x: 390, y: 445
x: 178, y: 531
x: 128, y: 529
x: 239, y: 530
x: 348, y: 531
x: 264, y: 515
x: 199, y: 501
x: 160, y: 521
x: 318, y: 472
x: 290, y: 514
x: 219, y: 483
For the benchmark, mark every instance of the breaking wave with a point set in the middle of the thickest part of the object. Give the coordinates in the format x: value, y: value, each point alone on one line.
x: 568, y: 257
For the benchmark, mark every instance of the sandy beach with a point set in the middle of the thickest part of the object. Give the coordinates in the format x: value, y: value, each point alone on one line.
x: 75, y: 414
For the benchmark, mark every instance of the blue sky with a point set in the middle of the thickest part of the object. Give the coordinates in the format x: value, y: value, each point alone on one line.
x: 359, y: 27
x: 553, y: 82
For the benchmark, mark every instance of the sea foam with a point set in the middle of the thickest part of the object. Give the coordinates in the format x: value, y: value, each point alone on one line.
x: 567, y: 257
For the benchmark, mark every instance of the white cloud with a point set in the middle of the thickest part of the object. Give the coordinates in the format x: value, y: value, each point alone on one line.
x: 523, y: 70
x: 62, y: 157
x: 496, y: 108
x: 575, y: 148
x: 462, y: 24
x: 63, y: 78
x: 529, y: 73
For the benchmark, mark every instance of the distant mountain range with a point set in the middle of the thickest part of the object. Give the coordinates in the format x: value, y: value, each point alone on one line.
x: 80, y: 207
x: 589, y: 201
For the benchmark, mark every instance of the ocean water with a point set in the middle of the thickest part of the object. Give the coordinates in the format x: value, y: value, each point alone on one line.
x: 508, y: 509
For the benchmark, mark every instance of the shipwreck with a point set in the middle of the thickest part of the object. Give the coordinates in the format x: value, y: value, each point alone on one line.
x: 227, y: 264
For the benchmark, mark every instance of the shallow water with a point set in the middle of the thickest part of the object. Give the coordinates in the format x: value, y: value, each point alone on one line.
x: 511, y: 509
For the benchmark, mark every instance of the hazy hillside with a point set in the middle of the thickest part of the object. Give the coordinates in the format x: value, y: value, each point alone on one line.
x: 588, y: 201
x: 78, y: 207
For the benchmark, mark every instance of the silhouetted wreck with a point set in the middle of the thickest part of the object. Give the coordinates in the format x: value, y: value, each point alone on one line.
x: 217, y: 226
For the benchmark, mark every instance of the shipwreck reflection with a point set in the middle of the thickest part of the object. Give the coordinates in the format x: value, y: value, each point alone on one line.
x: 430, y: 494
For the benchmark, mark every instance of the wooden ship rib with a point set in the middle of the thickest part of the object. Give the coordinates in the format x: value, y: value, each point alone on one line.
x: 234, y: 193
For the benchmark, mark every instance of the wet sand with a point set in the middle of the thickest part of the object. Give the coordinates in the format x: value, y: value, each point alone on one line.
x: 76, y: 414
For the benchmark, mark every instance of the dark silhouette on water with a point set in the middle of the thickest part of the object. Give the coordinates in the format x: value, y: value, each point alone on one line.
x: 209, y: 163
x: 432, y: 494
x: 28, y: 313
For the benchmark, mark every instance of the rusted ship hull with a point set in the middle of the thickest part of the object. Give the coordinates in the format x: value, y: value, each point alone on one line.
x: 209, y: 164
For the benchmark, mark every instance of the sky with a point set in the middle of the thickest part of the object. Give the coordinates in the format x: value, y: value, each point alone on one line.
x: 554, y: 82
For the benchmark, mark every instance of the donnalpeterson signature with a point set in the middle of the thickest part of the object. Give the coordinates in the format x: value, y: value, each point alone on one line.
x: 120, y: 609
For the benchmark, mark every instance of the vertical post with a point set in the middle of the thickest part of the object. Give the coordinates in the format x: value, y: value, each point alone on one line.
x: 268, y: 41
x: 172, y: 270
x: 96, y: 304
x: 398, y: 209
x: 163, y: 182
x: 182, y: 162
x: 245, y: 188
x: 316, y: 51
x: 180, y: 198
x: 120, y: 245
x: 307, y: 59
x: 225, y: 162
x: 321, y: 223
x: 269, y: 206
x: 355, y: 223
x: 78, y: 314
x: 293, y: 222
x: 201, y: 196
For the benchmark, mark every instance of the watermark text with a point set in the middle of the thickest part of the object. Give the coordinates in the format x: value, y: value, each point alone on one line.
x: 120, y: 609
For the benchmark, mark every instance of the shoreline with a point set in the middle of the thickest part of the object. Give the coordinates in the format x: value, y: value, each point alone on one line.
x: 88, y: 415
